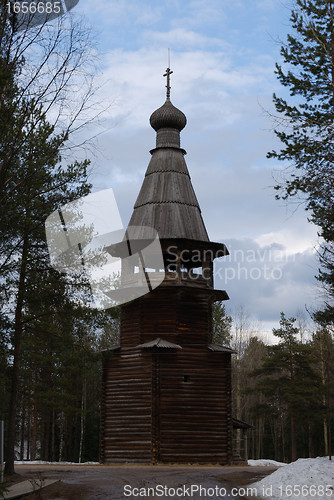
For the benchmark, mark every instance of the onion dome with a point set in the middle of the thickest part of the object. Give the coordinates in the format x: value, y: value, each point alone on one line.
x: 167, y: 200
x: 168, y: 116
x: 168, y: 121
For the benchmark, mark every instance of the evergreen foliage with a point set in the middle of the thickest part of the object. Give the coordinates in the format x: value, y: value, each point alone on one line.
x: 291, y: 386
x: 307, y: 130
x: 221, y: 324
x: 49, y: 370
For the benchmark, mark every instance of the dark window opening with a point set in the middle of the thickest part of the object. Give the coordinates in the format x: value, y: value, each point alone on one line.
x: 186, y: 378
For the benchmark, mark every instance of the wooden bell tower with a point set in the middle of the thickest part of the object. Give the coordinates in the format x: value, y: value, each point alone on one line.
x: 166, y: 386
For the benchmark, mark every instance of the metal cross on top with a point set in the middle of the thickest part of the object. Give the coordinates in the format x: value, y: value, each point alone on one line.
x: 168, y: 87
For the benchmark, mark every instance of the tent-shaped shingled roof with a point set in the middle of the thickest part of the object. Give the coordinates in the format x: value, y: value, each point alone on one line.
x: 167, y: 200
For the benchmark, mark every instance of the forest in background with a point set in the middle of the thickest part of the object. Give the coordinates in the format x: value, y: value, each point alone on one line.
x: 50, y: 346
x: 283, y: 387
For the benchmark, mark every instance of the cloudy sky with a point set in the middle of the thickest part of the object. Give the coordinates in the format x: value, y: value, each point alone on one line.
x: 223, y: 55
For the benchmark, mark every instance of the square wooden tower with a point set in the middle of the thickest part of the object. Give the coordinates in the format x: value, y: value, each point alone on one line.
x: 166, y: 386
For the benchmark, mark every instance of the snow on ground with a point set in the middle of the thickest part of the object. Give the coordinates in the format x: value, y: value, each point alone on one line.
x: 307, y: 479
x: 265, y: 463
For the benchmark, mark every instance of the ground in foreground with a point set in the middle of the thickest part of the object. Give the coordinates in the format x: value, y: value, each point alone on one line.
x: 118, y: 482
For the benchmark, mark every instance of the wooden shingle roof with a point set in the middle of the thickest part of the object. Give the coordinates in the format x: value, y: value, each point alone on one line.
x: 167, y: 200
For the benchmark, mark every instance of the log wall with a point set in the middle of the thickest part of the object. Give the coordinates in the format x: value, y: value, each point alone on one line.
x: 167, y: 405
x: 179, y: 315
x: 126, y: 407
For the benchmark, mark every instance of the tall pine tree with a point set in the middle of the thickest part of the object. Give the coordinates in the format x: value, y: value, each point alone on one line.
x: 291, y: 387
x: 33, y: 183
x: 307, y: 131
x: 46, y: 186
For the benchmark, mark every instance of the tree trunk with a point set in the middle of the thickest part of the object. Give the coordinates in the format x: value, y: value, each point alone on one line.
x: 329, y: 431
x: 18, y: 327
x: 61, y: 437
x: 282, y: 436
x: 28, y: 437
x: 260, y: 439
x: 53, y: 432
x: 41, y: 432
x: 325, y: 427
x: 46, y: 438
x: 23, y: 417
x: 293, y: 438
x: 34, y: 426
x: 324, y: 398
x: 309, y: 440
x: 82, y: 419
x: 35, y: 403
x: 238, y: 407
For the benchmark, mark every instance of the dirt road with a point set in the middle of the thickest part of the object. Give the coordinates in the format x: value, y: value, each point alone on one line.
x: 119, y: 482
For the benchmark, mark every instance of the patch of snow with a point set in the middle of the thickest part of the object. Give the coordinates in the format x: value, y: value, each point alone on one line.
x: 307, y: 479
x: 265, y: 463
x: 41, y: 462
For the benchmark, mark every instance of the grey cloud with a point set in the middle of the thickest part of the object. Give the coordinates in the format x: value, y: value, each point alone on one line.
x: 267, y: 279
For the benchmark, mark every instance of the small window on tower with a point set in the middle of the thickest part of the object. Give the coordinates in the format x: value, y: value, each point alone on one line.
x: 186, y: 378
